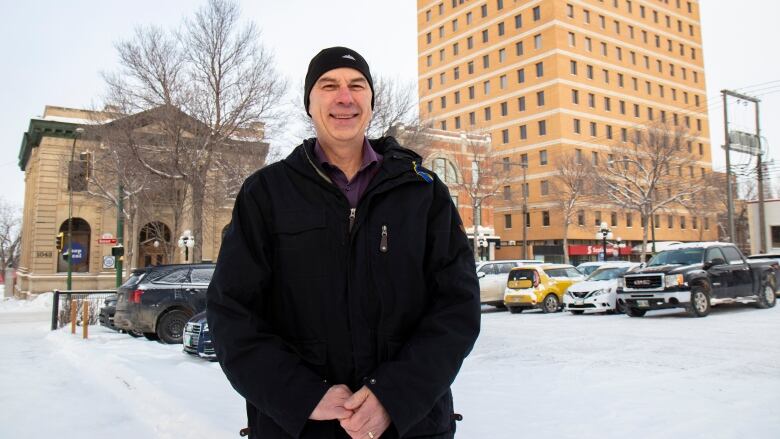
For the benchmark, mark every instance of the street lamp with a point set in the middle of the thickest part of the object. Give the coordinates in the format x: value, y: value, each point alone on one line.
x: 604, y: 233
x: 186, y: 242
x: 78, y: 132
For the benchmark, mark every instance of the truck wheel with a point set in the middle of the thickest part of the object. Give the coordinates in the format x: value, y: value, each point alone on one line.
x: 766, y: 297
x: 619, y: 308
x: 700, y: 302
x: 635, y: 312
x: 171, y: 326
x: 515, y: 309
x: 550, y: 304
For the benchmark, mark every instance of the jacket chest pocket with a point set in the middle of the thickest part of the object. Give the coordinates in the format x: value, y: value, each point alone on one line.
x: 301, y: 243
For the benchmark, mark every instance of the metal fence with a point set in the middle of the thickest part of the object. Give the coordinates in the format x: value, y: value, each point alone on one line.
x: 62, y: 303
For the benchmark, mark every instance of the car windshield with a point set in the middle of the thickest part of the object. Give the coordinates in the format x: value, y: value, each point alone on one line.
x: 607, y: 273
x: 563, y: 272
x: 588, y: 269
x: 134, y: 279
x: 683, y: 256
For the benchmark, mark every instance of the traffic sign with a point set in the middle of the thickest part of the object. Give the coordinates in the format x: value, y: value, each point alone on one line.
x: 109, y: 262
x: 111, y: 241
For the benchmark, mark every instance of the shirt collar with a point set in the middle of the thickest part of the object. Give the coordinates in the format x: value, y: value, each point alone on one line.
x: 369, y: 155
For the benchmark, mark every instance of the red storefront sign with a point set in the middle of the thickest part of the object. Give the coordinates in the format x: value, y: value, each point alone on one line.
x: 590, y: 250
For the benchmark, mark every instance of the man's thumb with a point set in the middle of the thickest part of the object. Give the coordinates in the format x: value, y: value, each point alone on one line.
x: 356, y: 400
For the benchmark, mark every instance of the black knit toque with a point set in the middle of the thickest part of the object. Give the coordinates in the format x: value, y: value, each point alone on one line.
x: 333, y: 58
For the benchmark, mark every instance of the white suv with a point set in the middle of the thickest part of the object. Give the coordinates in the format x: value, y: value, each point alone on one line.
x: 492, y: 279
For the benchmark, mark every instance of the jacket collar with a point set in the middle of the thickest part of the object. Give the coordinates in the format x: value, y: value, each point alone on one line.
x: 397, y: 161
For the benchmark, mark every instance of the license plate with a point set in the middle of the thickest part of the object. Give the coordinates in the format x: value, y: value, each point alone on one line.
x: 642, y: 303
x: 187, y: 339
x: 579, y: 302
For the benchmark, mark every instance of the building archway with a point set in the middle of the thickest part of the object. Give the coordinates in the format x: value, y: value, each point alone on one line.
x: 154, y: 244
x: 81, y: 246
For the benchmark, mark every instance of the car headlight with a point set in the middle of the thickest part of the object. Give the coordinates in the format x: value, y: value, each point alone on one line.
x: 621, y: 283
x: 205, y: 327
x: 569, y: 294
x: 597, y: 293
x: 673, y: 280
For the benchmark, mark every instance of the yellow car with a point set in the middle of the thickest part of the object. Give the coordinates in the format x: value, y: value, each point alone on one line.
x: 539, y: 286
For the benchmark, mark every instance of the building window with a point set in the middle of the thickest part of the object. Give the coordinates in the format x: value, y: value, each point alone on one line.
x: 518, y: 21
x: 502, y: 82
x: 575, y: 96
x: 523, y: 132
x: 540, y: 98
x: 505, y: 136
x: 580, y: 217
x: 504, y: 109
x: 507, y: 221
x: 573, y: 67
x: 539, y: 69
x: 521, y: 76
x: 613, y: 219
x: 682, y: 222
x: 521, y: 103
x: 538, y: 41
x: 576, y: 126
x: 507, y: 192
x: 445, y: 170
x: 500, y: 29
x: 629, y: 220
x: 597, y: 218
x: 537, y: 13
x: 545, y: 218
x: 519, y: 48
x: 544, y: 187
x: 543, y: 157
x: 542, y: 127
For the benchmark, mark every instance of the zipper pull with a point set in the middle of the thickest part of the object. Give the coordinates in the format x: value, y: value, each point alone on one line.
x: 383, y: 242
x: 351, y: 218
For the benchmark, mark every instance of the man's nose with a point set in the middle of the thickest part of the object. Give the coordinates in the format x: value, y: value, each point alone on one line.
x: 344, y: 95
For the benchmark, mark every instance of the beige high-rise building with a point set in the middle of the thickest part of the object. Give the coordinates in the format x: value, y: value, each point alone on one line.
x: 547, y: 77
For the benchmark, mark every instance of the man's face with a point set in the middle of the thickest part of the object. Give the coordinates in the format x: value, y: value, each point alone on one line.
x: 340, y: 106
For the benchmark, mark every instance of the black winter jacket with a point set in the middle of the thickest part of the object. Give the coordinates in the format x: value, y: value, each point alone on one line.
x: 309, y: 293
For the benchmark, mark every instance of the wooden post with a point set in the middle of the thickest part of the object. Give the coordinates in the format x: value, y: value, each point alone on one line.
x: 85, y: 319
x: 74, y: 309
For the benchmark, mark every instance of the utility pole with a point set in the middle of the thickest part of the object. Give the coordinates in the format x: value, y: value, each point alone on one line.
x: 524, y: 165
x: 727, y: 146
x: 759, y: 167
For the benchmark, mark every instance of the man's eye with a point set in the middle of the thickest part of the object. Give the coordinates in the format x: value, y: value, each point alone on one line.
x: 328, y: 87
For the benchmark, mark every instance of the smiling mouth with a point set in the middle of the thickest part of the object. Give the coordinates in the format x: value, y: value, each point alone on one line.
x: 343, y: 116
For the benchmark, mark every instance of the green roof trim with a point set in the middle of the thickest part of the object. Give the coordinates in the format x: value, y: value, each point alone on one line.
x: 38, y: 129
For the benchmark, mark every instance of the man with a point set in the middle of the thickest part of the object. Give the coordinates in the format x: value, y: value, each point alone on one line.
x: 345, y: 296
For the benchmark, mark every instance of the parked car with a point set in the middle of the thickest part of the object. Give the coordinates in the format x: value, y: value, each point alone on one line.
x: 159, y: 300
x: 106, y: 316
x: 539, y: 286
x: 587, y: 268
x: 197, y: 337
x: 695, y: 276
x: 598, y: 292
x: 492, y: 279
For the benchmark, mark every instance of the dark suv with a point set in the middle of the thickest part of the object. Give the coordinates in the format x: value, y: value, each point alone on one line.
x: 159, y: 300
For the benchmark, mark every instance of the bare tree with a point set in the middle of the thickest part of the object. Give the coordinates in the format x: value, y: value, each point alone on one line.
x: 395, y: 102
x: 10, y: 236
x: 573, y: 186
x: 208, y: 83
x: 651, y: 172
x: 486, y: 178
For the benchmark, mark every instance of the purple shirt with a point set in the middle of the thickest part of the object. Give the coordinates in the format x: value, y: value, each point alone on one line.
x: 354, y: 188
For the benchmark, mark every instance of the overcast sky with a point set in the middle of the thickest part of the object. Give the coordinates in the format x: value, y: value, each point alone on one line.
x: 54, y: 51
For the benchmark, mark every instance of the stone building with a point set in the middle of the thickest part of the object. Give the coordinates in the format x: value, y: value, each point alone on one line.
x: 53, y: 148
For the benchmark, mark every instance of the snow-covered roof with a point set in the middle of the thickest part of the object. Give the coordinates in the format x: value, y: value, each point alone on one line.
x: 75, y: 120
x: 696, y: 245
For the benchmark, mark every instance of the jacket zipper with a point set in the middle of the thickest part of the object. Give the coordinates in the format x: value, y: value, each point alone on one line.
x: 351, y: 218
x: 383, y: 241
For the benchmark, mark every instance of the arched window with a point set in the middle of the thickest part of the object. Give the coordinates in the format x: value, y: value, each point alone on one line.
x: 154, y: 244
x: 446, y: 170
x: 81, y: 241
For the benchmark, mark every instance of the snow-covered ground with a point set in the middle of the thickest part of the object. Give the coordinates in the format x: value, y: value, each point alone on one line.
x: 530, y: 375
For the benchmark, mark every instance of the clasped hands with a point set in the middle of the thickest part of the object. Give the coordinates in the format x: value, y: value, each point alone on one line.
x: 360, y: 414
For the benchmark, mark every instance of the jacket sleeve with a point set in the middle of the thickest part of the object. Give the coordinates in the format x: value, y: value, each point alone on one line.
x: 261, y: 366
x: 409, y: 385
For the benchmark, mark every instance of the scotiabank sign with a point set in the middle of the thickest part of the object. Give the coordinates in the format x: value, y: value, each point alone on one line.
x: 589, y: 250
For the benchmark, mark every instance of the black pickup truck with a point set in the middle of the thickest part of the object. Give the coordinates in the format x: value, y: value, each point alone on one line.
x: 696, y: 276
